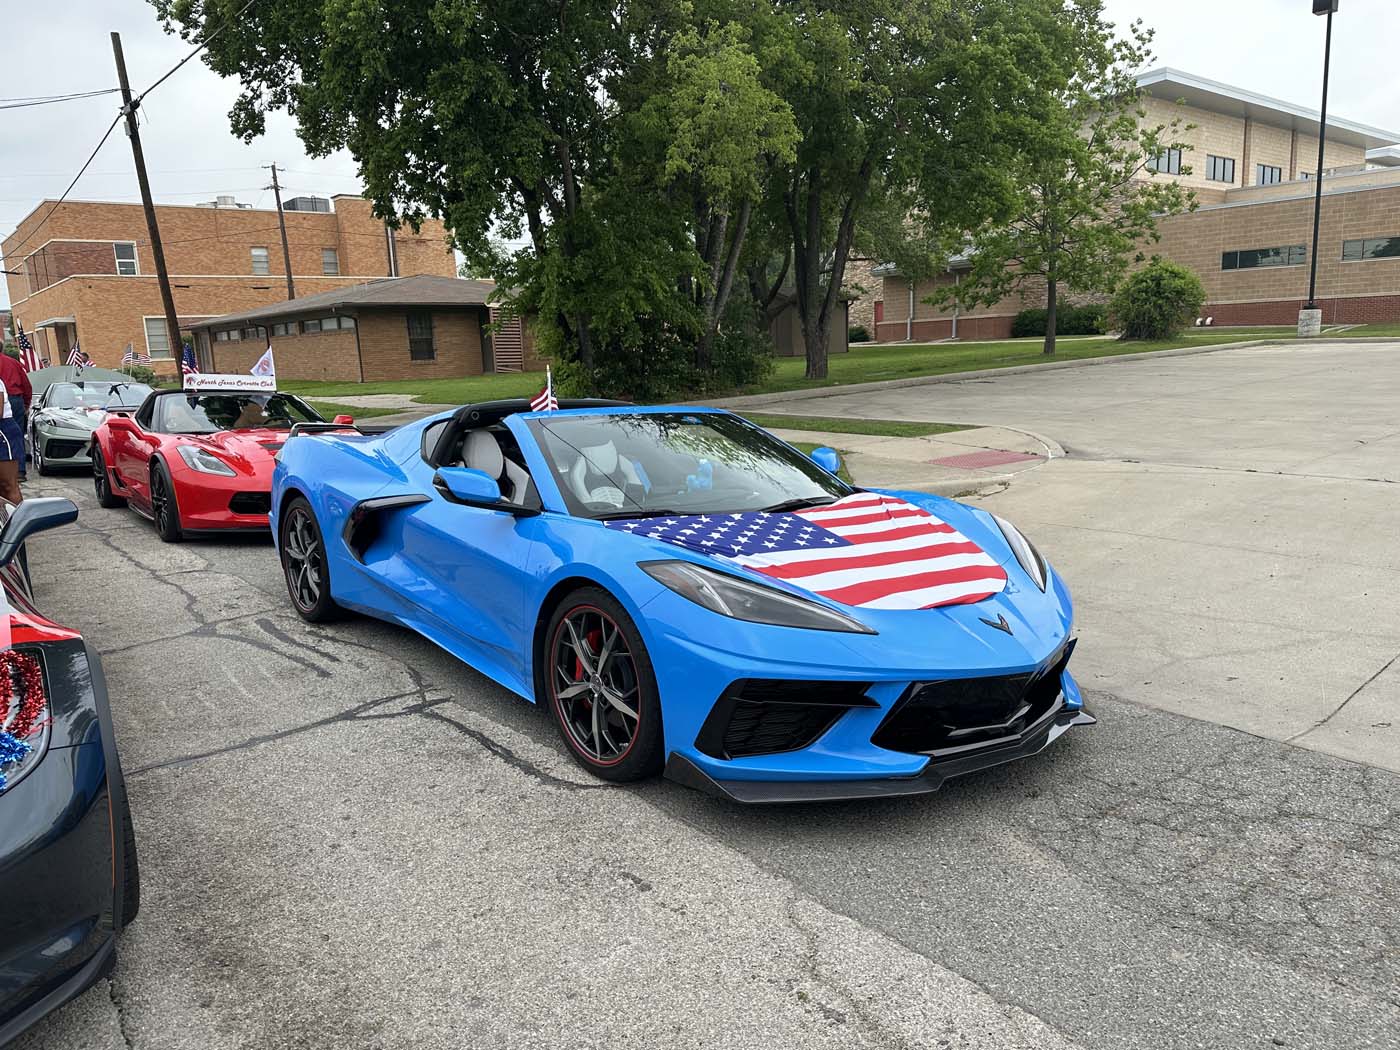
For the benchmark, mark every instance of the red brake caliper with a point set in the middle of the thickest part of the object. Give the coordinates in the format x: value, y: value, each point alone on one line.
x: 594, y: 638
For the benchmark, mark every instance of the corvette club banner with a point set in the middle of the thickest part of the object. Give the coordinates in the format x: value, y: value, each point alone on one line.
x: 214, y: 382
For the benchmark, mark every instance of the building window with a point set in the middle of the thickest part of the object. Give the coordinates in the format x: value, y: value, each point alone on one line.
x: 1268, y: 175
x: 260, y: 262
x: 1371, y: 248
x: 157, y: 339
x: 330, y: 262
x: 330, y: 324
x: 255, y: 332
x: 287, y: 328
x: 420, y: 336
x: 1168, y: 162
x: 125, y: 252
x: 1220, y: 169
x: 1251, y: 258
x: 308, y: 327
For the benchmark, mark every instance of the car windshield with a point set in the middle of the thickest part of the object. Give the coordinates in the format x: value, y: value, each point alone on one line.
x: 635, y: 464
x: 209, y: 413
x: 97, y: 395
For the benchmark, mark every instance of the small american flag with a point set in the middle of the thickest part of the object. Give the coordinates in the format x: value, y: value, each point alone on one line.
x: 545, y: 401
x: 188, y: 365
x: 866, y: 549
x: 77, y: 357
x: 28, y: 357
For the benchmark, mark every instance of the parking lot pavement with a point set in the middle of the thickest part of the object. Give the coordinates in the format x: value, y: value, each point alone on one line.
x: 1227, y: 522
x: 351, y: 840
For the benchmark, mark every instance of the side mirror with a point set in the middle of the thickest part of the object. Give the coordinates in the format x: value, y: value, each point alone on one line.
x: 31, y: 516
x: 475, y: 488
x: 344, y: 420
x: 827, y: 459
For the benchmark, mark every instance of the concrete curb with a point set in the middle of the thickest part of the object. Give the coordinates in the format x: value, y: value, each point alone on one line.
x: 812, y: 393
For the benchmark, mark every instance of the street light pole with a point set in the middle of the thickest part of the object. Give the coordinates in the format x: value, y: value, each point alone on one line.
x: 1310, y: 318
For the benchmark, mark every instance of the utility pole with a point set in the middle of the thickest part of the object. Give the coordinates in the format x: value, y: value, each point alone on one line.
x: 172, y: 323
x: 282, y: 222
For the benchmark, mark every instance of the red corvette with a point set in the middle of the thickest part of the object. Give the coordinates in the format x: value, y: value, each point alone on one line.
x: 196, y: 462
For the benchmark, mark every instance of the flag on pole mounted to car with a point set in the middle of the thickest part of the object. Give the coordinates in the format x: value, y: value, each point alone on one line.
x: 76, y: 357
x: 188, y: 365
x: 28, y: 356
x: 545, y: 401
x: 265, y: 365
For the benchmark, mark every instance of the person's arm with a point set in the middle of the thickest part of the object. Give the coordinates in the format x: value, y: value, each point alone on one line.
x: 25, y: 387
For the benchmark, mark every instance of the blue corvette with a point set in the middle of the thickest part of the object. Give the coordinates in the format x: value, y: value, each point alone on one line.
x: 689, y: 594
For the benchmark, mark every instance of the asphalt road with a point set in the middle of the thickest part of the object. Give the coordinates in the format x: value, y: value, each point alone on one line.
x: 350, y: 840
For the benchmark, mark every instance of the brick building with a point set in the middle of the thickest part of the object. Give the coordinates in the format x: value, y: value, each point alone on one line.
x: 1251, y: 163
x: 420, y: 327
x: 83, y: 270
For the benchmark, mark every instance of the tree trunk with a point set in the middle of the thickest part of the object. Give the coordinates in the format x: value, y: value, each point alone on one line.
x: 723, y: 273
x: 1051, y: 313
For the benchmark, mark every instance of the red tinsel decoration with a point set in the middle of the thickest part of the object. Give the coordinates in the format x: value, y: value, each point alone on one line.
x: 32, y: 701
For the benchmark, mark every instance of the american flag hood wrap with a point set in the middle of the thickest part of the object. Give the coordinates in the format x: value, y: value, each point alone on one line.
x: 867, y: 550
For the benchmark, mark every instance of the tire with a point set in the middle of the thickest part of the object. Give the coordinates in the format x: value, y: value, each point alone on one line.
x: 164, y: 507
x: 131, y: 884
x: 303, y: 552
x: 36, y: 454
x: 102, y: 481
x: 609, y: 714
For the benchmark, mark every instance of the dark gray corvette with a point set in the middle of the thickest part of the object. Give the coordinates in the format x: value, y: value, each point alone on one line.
x: 63, y: 417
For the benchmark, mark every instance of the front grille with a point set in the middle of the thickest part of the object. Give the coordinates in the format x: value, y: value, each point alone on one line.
x: 959, y: 714
x: 764, y: 716
x: 63, y: 448
x: 251, y: 503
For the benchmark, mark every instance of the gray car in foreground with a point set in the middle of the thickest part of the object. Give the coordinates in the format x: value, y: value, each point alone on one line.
x: 63, y: 417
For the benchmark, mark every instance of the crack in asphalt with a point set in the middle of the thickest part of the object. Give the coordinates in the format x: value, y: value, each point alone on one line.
x: 117, y: 997
x: 512, y: 759
x: 1340, y: 707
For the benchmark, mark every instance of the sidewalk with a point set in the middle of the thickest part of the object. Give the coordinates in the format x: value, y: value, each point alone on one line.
x: 965, y: 462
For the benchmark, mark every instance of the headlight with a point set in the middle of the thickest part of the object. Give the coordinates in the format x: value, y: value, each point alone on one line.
x: 204, y: 461
x: 1025, y: 552
x: 730, y: 596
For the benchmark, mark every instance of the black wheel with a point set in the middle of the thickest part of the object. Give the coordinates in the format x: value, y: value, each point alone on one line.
x: 36, y: 453
x: 599, y: 683
x: 131, y: 884
x: 163, y: 506
x: 304, y: 563
x: 102, y: 481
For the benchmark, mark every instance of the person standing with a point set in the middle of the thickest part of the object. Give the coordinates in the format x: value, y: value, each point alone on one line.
x: 11, y: 447
x: 21, y: 393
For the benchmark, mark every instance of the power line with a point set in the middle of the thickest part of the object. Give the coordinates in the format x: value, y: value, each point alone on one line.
x: 202, y: 45
x: 91, y: 156
x: 48, y: 100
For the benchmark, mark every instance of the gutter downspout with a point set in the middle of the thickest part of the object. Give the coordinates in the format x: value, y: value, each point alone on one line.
x: 909, y: 323
x: 393, y: 259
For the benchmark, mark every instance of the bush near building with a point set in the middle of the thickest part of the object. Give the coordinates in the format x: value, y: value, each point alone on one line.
x: 858, y: 333
x: 1158, y: 301
x: 1070, y: 320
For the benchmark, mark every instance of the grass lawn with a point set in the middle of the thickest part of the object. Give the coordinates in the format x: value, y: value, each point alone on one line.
x: 1371, y: 330
x: 331, y: 409
x: 869, y: 363
x: 879, y: 427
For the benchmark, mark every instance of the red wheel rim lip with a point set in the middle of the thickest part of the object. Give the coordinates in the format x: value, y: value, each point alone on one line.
x: 554, y: 691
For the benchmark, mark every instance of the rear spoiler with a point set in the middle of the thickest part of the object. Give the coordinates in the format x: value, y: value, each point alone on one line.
x: 330, y: 428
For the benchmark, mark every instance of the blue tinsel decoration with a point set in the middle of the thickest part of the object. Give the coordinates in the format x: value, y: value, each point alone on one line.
x: 12, y: 750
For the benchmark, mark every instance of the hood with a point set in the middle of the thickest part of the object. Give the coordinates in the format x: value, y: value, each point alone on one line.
x: 250, y: 446
x: 76, y: 418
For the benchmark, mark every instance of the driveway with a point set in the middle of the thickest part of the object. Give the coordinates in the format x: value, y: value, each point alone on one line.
x: 1228, y: 523
x: 350, y: 840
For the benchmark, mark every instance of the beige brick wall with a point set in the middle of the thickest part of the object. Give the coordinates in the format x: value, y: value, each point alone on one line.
x: 1199, y: 240
x: 384, y: 346
x: 1214, y: 133
x: 110, y: 310
x: 860, y: 280
x: 316, y: 355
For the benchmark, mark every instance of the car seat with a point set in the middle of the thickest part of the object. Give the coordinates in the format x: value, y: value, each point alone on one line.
x: 481, y: 451
x: 597, y: 473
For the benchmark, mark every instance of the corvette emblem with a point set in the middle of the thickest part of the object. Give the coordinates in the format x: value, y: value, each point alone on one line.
x: 999, y: 623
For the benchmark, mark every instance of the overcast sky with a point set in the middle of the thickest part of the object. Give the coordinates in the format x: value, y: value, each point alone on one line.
x: 1270, y: 46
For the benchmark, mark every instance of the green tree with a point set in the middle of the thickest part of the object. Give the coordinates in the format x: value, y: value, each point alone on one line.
x: 1086, y: 196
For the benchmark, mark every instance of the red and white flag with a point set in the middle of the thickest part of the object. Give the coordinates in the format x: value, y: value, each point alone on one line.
x: 545, y: 401
x: 265, y: 366
x: 865, y: 549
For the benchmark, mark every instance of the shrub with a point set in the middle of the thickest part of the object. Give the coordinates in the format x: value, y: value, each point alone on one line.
x: 858, y: 333
x: 1158, y: 301
x: 1069, y: 320
x: 140, y: 374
